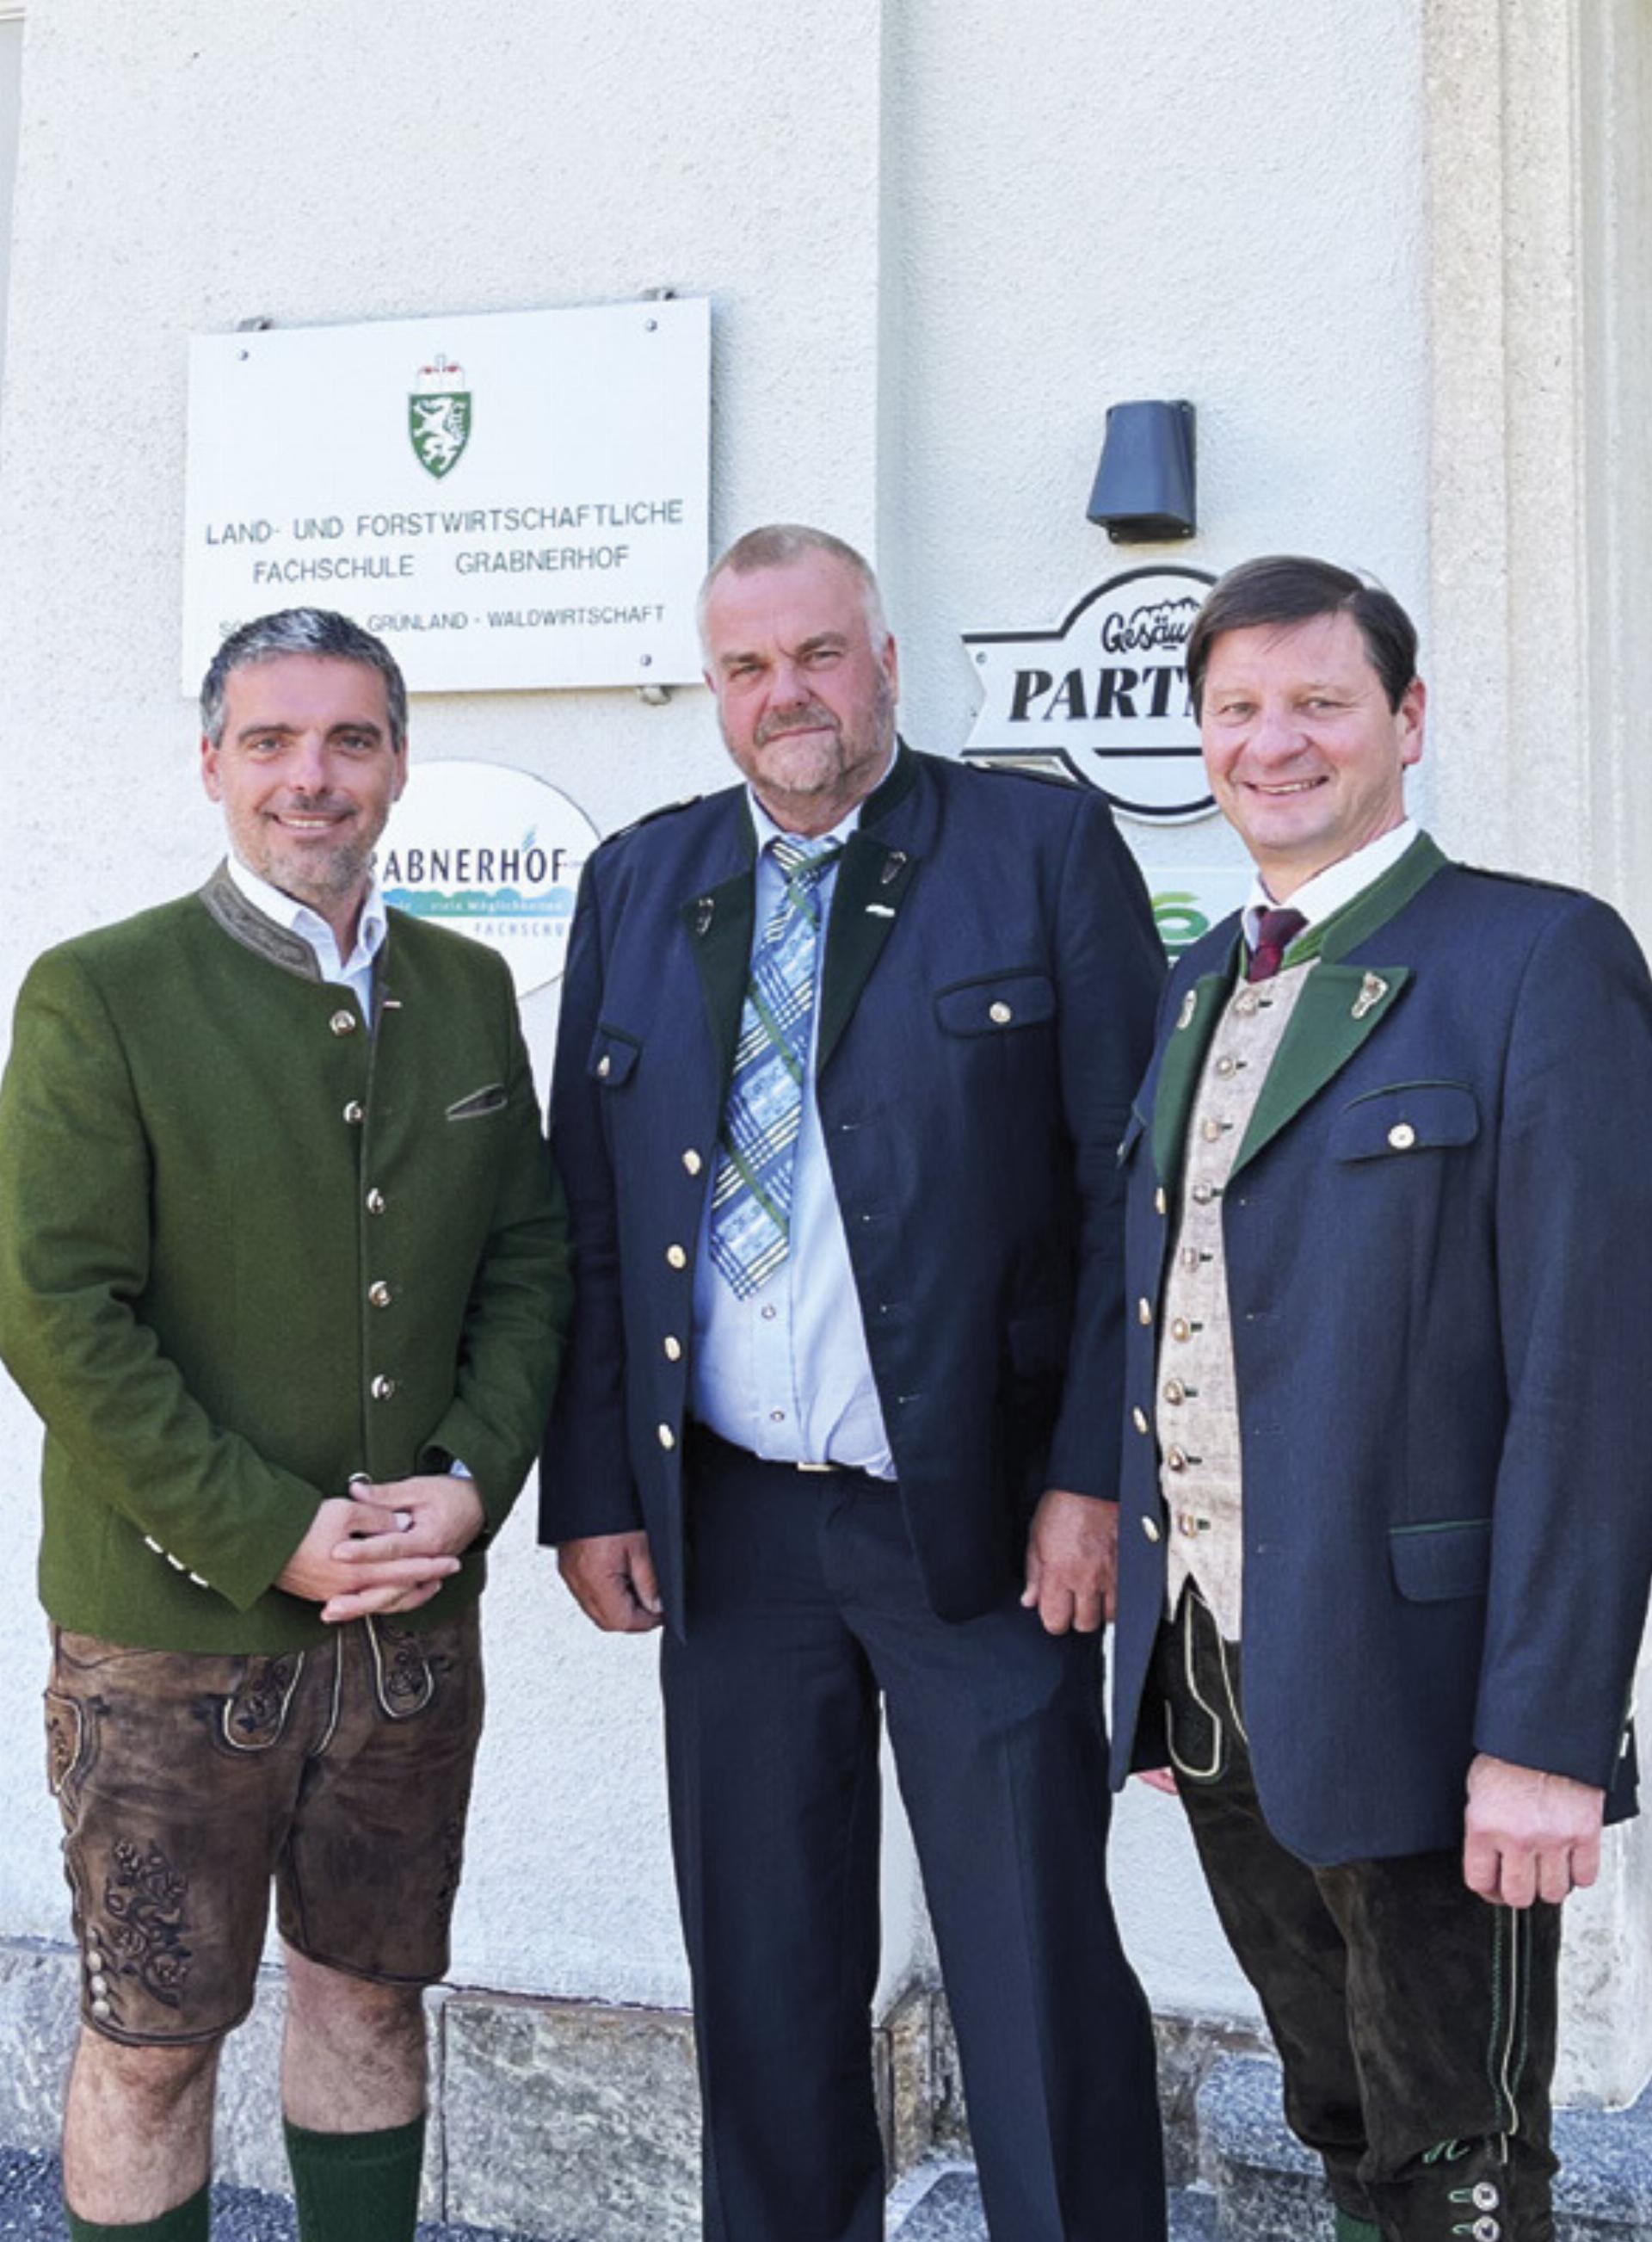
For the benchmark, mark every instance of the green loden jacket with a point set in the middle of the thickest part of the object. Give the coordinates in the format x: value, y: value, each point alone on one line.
x: 247, y: 1248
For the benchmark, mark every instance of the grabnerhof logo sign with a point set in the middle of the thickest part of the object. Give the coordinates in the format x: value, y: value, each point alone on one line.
x: 493, y: 853
x: 1103, y: 697
x: 438, y: 416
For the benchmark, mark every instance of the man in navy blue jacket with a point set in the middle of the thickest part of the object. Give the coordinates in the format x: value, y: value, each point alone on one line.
x: 1386, y: 1528
x: 844, y: 1057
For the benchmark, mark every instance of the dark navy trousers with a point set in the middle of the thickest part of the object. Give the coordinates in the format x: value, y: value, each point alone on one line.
x: 804, y: 1611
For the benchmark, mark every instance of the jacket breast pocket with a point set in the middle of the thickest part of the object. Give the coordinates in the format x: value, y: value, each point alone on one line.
x: 1404, y: 1118
x: 492, y: 1098
x: 613, y: 1057
x: 1434, y: 1562
x: 996, y: 1003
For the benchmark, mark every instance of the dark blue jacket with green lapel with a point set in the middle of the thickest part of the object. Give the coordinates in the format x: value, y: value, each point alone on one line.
x: 1440, y: 1334
x: 987, y: 1007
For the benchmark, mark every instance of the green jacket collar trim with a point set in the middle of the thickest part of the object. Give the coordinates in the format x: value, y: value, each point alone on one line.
x: 1373, y: 908
x: 245, y: 924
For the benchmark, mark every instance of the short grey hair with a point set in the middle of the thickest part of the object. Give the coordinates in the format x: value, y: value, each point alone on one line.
x: 776, y: 545
x: 301, y: 630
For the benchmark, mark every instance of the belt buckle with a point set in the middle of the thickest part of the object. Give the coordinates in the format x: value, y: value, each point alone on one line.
x: 818, y: 1468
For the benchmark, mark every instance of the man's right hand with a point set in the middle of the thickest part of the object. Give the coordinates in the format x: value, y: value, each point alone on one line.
x: 388, y: 1584
x: 612, y: 1577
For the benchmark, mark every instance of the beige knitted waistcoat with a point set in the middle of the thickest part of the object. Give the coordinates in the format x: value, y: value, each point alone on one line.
x: 1198, y: 1405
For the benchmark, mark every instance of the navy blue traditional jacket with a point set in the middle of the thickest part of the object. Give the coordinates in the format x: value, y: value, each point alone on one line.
x: 1439, y: 1241
x: 985, y: 1012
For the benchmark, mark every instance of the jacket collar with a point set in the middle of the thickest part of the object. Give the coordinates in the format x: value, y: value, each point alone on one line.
x: 1341, y: 1006
x: 243, y: 921
x: 875, y: 879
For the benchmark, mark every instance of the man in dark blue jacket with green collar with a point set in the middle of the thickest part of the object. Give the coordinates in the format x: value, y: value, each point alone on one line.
x: 1386, y: 1532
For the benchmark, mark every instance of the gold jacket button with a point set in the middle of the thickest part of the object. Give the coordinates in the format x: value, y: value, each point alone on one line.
x: 677, y: 1257
x: 1175, y: 1392
x: 383, y: 1388
x: 355, y: 1113
x: 605, y: 1066
x: 1182, y: 1328
x: 667, y: 1438
x: 1188, y: 1257
x: 1210, y: 1130
x: 693, y: 1161
x: 1226, y: 1064
x: 379, y: 1293
x: 1144, y: 1311
x: 999, y: 1014
x: 1402, y: 1136
x: 375, y: 1201
x: 1203, y: 1193
x: 673, y: 1348
x: 342, y: 1023
x: 1187, y: 1525
x: 1139, y: 1419
x: 1150, y: 1527
x: 1161, y: 1203
x: 1175, y: 1460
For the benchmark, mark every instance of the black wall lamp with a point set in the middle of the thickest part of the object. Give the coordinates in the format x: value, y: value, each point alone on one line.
x: 1145, y: 487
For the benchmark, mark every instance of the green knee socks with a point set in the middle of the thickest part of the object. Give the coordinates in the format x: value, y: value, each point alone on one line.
x: 1349, y: 2229
x: 356, y: 2187
x: 187, y: 2222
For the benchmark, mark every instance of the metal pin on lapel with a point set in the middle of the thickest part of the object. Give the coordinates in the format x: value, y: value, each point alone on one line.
x: 1373, y: 989
x: 880, y: 910
x: 702, y: 911
x: 892, y: 864
x: 1189, y: 1006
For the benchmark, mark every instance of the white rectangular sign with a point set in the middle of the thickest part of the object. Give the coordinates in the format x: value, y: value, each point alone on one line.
x: 510, y: 499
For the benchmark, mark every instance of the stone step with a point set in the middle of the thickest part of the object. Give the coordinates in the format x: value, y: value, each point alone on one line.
x: 942, y: 2203
x: 1266, y: 2187
x: 31, y: 2205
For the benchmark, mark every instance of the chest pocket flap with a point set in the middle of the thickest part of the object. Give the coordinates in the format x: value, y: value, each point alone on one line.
x: 1411, y: 1116
x: 995, y: 1003
x: 613, y: 1054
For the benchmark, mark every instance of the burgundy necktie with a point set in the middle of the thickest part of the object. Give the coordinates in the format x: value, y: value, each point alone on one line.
x: 1275, y: 931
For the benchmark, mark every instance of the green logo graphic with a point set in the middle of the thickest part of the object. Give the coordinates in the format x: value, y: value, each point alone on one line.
x: 438, y: 417
x: 1180, y: 919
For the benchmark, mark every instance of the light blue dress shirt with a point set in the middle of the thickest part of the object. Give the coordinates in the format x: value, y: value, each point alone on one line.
x: 787, y: 1374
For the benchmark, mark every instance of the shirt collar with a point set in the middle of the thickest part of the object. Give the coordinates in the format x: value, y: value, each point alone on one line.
x: 767, y: 830
x: 1337, y: 884
x: 298, y: 918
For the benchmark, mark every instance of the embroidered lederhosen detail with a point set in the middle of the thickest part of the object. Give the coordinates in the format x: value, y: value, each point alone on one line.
x: 402, y: 1675
x: 254, y: 1715
x: 66, y: 1740
x: 144, y: 1925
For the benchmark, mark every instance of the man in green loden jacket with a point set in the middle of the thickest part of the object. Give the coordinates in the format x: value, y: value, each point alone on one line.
x: 283, y: 1269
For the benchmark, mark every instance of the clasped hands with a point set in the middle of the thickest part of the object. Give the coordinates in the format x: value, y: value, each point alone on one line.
x: 384, y: 1548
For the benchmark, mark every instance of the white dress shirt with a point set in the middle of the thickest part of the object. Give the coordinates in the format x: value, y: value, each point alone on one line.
x: 787, y: 1374
x: 1337, y: 884
x: 355, y: 974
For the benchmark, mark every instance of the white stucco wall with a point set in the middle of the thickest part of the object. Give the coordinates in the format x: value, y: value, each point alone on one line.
x: 941, y: 240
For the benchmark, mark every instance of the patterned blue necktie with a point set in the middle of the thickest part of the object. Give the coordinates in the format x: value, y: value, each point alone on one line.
x: 750, y: 1225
